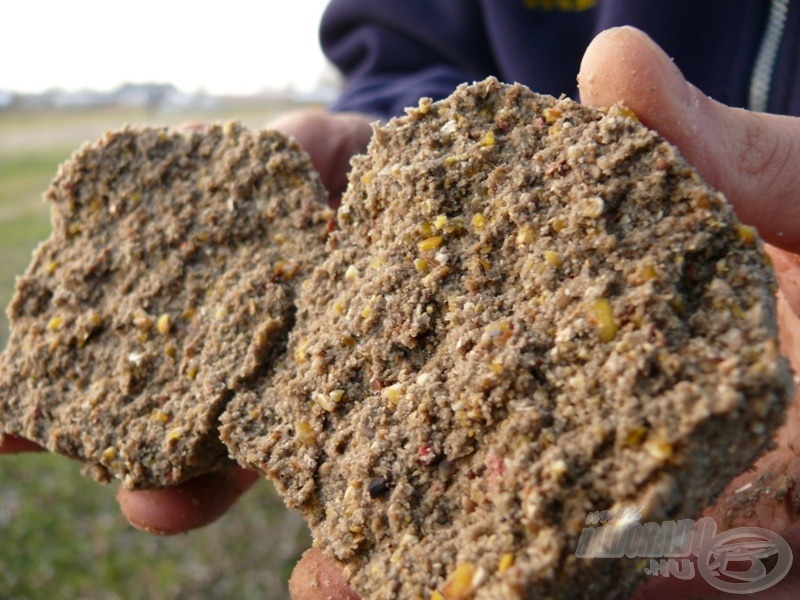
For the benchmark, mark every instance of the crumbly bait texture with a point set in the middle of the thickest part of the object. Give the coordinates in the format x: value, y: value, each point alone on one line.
x: 169, y: 280
x: 531, y: 310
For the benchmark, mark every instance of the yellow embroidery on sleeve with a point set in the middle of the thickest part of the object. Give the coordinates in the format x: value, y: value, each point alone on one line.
x: 560, y: 5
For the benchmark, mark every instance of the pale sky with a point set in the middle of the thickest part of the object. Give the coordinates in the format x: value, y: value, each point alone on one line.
x: 232, y: 46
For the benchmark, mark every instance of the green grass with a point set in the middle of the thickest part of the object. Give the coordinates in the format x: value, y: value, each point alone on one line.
x: 61, y: 535
x: 24, y: 171
x: 24, y: 217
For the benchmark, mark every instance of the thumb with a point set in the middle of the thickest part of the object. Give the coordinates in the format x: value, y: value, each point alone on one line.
x: 751, y: 157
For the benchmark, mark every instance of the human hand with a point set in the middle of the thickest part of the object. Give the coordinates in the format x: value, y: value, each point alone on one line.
x: 747, y: 156
x: 750, y: 157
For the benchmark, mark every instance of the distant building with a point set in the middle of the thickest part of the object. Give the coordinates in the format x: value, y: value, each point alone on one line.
x: 149, y: 95
x: 6, y: 99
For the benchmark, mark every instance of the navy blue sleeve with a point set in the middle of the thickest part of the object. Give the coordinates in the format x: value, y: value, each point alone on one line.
x: 393, y: 52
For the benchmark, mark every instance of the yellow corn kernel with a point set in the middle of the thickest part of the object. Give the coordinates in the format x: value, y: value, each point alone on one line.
x: 647, y: 273
x: 55, y: 323
x: 348, y: 340
x: 459, y: 585
x: 159, y: 416
x: 506, y: 562
x: 488, y: 139
x: 392, y: 393
x: 351, y: 274
x: 601, y: 315
x: 624, y: 111
x: 191, y: 373
x: 440, y: 222
x: 478, y: 220
x: 421, y: 265
x: 377, y: 262
x: 426, y: 229
x: 594, y: 207
x: 51, y: 267
x: 551, y: 115
x: 436, y: 595
x: 339, y: 308
x: 109, y: 454
x: 496, y: 367
x: 553, y: 258
x: 175, y: 434
x: 189, y: 313
x: 746, y: 233
x: 430, y: 243
x: 558, y: 224
x: 526, y: 235
x: 325, y: 401
x: 300, y: 354
x: 163, y: 324
x: 658, y: 448
x: 366, y: 312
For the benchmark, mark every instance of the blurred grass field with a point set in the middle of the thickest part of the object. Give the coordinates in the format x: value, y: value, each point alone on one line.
x: 61, y: 535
